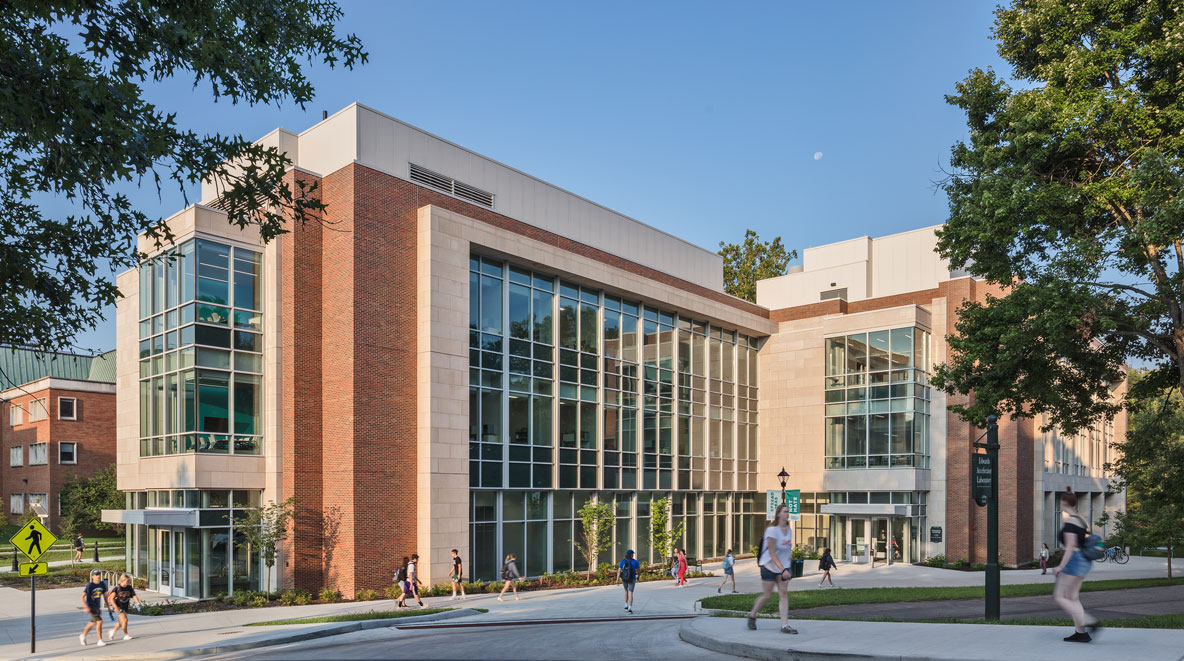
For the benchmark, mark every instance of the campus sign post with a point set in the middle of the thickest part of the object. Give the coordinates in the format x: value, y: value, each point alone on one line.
x: 986, y: 492
x: 33, y: 539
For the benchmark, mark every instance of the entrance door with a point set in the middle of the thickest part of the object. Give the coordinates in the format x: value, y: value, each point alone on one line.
x: 880, y: 540
x: 171, y: 558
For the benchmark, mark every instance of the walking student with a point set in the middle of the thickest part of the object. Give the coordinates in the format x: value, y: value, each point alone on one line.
x: 825, y: 564
x: 627, y: 572
x: 774, y: 559
x: 413, y: 577
x: 1044, y: 558
x: 510, y: 576
x: 729, y: 572
x: 120, y: 598
x: 93, y: 594
x: 682, y: 567
x: 403, y: 577
x: 79, y: 546
x: 1072, y: 570
x: 455, y: 575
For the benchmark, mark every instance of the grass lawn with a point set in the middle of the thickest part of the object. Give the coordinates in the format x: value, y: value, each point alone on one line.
x: 352, y: 617
x: 829, y: 597
x: 60, y: 577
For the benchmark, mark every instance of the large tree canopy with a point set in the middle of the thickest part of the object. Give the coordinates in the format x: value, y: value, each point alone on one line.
x: 75, y: 125
x: 1068, y: 192
x: 745, y: 263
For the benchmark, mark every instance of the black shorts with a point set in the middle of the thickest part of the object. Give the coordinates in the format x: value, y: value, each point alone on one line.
x: 96, y: 616
x: 767, y: 575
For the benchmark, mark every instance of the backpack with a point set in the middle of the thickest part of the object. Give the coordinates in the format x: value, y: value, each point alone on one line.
x: 628, y: 573
x: 398, y: 577
x: 728, y: 561
x: 506, y: 572
x: 1091, y: 545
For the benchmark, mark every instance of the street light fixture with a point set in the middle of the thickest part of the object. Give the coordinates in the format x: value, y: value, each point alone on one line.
x: 784, y: 477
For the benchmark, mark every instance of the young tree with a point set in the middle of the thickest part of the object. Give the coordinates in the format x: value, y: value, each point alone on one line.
x: 662, y: 539
x: 752, y: 260
x: 1150, y: 465
x: 595, y: 535
x: 1068, y: 193
x: 84, y: 499
x: 77, y: 125
x: 265, y: 528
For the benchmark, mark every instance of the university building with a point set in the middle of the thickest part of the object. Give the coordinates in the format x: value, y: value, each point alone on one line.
x: 459, y: 355
x: 57, y: 424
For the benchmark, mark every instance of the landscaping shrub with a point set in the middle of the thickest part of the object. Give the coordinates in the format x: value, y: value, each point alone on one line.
x: 938, y: 561
x: 295, y: 597
x: 393, y: 591
x: 1056, y: 557
x: 979, y: 566
x: 260, y: 601
x: 329, y: 595
x: 365, y: 595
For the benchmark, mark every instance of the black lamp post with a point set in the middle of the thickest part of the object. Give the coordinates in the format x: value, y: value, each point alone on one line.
x: 784, y: 477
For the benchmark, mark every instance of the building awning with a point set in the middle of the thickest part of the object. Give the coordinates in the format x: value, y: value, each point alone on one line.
x: 179, y: 518
x: 863, y: 509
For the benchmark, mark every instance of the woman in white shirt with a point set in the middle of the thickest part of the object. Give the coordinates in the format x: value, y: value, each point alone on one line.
x: 774, y: 562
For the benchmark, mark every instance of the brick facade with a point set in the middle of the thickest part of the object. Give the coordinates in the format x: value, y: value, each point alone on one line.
x: 93, y: 430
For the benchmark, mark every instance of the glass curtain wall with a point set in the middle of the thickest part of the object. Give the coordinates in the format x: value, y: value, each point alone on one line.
x: 201, y: 351
x: 877, y: 400
x: 572, y: 388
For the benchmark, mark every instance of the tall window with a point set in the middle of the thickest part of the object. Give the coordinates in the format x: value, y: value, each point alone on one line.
x: 38, y: 454
x: 16, y: 503
x: 877, y: 400
x: 201, y: 351
x: 16, y: 455
x: 16, y: 415
x: 67, y: 453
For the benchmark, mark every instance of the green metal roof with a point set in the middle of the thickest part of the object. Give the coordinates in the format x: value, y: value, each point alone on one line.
x: 21, y: 366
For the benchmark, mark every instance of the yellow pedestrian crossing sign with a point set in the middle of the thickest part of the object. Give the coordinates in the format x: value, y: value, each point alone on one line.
x: 33, y: 539
x: 34, y: 568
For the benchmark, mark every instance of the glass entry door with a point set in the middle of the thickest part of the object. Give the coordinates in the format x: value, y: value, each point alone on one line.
x: 171, y: 558
x: 880, y: 540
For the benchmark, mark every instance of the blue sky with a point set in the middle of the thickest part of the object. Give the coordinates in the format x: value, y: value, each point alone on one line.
x: 701, y: 119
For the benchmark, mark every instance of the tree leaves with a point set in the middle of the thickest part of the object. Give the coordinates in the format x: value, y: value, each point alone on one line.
x: 1069, y: 191
x: 84, y: 499
x: 74, y: 124
x: 750, y: 261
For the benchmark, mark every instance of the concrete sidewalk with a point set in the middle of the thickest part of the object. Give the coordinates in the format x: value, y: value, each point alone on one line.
x: 60, y: 618
x: 823, y: 640
x: 86, y: 563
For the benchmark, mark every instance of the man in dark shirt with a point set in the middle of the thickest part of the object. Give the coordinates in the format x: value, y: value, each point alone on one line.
x: 93, y: 594
x: 456, y: 575
x: 79, y: 546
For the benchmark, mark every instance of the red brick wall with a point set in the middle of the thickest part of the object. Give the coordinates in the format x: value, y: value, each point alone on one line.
x: 93, y: 431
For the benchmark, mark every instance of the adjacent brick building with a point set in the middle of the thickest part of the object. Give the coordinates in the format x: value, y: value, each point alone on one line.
x: 57, y: 424
x: 458, y: 355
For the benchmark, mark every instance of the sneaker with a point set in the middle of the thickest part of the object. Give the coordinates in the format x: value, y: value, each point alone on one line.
x: 719, y: 590
x: 735, y: 592
x: 499, y: 597
x: 788, y: 629
x: 82, y: 639
x: 453, y: 597
x: 1077, y: 637
x: 127, y: 636
x: 626, y: 606
x: 752, y: 623
x: 630, y: 609
x: 515, y: 597
x: 101, y: 643
x: 110, y: 634
x: 1094, y: 629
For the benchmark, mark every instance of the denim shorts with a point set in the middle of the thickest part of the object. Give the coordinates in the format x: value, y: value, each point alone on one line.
x: 767, y: 575
x: 728, y: 571
x: 1077, y: 565
x: 629, y: 585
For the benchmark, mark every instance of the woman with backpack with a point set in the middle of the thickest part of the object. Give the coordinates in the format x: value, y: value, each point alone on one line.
x: 729, y: 572
x: 510, y: 576
x: 1072, y: 570
x: 776, y: 551
x: 825, y: 564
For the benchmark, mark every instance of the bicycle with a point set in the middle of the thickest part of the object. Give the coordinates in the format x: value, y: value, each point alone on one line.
x: 1115, y: 554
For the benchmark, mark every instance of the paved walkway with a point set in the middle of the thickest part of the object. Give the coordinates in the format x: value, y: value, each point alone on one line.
x: 7, y: 568
x: 60, y: 617
x: 872, y: 641
x: 1106, y: 605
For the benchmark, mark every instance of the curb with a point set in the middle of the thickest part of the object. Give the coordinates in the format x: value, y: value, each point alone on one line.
x: 689, y: 635
x: 324, y: 631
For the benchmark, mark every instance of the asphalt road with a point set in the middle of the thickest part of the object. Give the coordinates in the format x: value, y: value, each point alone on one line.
x: 620, y: 640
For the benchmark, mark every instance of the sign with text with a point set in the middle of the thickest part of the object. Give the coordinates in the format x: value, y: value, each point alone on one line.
x: 935, y: 534
x: 981, y: 471
x: 793, y: 498
x: 33, y: 539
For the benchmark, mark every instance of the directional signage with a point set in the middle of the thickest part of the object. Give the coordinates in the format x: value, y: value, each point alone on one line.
x: 981, y: 469
x: 33, y: 539
x: 793, y: 499
x: 34, y: 568
x: 935, y: 534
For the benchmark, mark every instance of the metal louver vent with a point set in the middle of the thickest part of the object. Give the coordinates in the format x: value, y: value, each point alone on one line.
x: 449, y: 185
x: 833, y: 293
